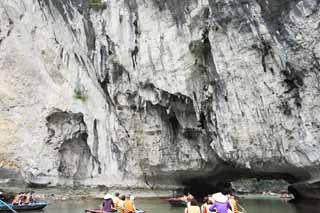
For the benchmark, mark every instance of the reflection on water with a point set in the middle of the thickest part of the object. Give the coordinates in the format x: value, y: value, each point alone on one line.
x: 159, y: 206
x: 268, y: 206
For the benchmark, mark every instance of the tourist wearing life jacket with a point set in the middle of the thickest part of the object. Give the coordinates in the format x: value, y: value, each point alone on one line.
x: 29, y: 198
x: 128, y: 206
x: 19, y: 199
x: 22, y: 198
x: 116, y: 200
x: 221, y: 203
x: 233, y: 203
x: 107, y: 205
x: 193, y: 207
x: 15, y: 200
x: 206, y: 204
x: 121, y: 204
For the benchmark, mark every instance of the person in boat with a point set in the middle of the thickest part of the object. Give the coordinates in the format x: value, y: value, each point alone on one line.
x: 190, y: 197
x: 15, y: 200
x: 210, y: 198
x: 233, y: 202
x: 205, y: 206
x: 132, y: 201
x: 193, y: 207
x: 19, y: 199
x: 121, y: 204
x: 1, y: 196
x: 22, y: 198
x: 221, y: 203
x: 184, y: 198
x: 29, y: 198
x: 116, y: 200
x: 108, y: 205
x: 128, y: 206
x: 209, y: 204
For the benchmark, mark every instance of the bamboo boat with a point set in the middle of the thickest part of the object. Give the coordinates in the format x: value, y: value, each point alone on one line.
x: 101, y: 211
x: 23, y: 207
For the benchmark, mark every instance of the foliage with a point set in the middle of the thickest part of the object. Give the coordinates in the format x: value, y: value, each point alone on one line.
x: 80, y: 94
x: 96, y: 4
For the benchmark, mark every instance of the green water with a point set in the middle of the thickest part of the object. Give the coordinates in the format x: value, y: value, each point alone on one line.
x: 258, y: 205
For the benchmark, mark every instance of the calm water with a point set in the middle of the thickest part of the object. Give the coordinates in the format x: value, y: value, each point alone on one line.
x: 157, y: 206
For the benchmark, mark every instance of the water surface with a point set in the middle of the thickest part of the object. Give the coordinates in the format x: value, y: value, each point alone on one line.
x: 252, y: 205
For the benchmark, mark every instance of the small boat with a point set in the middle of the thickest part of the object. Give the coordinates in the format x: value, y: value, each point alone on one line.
x: 23, y: 207
x: 177, y: 202
x: 100, y: 211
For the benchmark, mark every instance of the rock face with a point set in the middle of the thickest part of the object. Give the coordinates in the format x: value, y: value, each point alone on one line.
x: 136, y: 93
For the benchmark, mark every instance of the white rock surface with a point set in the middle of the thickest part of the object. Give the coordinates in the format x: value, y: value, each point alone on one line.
x: 156, y: 93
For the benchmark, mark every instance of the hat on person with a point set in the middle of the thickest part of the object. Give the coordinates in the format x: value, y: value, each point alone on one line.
x: 107, y: 196
x: 219, y: 197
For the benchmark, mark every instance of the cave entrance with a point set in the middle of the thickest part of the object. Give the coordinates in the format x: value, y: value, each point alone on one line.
x: 201, y: 187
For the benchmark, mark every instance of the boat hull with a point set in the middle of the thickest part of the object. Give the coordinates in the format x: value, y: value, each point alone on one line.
x: 175, y: 202
x: 24, y: 207
x: 100, y: 211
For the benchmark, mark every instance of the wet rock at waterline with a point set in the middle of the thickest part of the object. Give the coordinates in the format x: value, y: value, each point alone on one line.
x: 158, y: 94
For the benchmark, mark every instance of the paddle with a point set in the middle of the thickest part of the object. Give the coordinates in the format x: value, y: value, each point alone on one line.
x: 242, y: 208
x: 9, y: 207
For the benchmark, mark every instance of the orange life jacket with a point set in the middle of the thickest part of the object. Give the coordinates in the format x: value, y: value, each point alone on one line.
x: 204, y: 208
x: 128, y: 207
x: 233, y: 204
x: 121, y: 206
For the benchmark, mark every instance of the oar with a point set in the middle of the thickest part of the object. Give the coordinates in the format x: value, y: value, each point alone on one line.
x: 9, y: 207
x: 242, y: 208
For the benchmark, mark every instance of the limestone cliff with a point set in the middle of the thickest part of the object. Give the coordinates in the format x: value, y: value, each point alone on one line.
x: 150, y: 93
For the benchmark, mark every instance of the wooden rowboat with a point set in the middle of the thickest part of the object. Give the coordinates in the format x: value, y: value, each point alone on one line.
x: 23, y: 207
x: 177, y: 202
x: 100, y: 211
x: 93, y: 211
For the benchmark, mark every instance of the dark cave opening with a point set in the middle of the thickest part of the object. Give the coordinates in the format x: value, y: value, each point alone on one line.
x: 241, y: 184
x: 174, y: 124
x: 200, y: 188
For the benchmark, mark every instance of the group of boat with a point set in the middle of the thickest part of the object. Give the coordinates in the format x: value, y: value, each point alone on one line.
x: 15, y: 206
x: 101, y: 211
x: 6, y: 207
